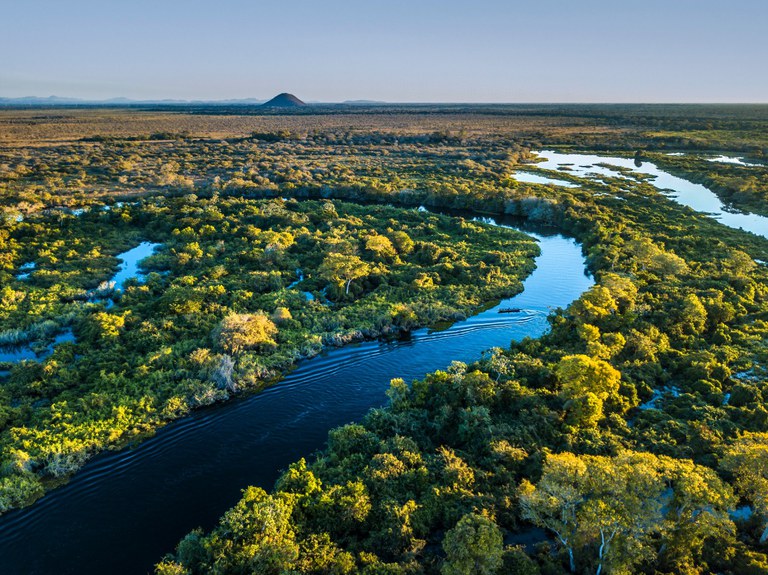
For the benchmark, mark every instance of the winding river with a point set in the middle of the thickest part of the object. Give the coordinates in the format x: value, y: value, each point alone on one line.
x: 125, y: 509
x: 695, y: 196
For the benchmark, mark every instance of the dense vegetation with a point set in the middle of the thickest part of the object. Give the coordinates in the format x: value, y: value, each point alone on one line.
x: 549, y: 433
x: 220, y: 311
x: 628, y: 439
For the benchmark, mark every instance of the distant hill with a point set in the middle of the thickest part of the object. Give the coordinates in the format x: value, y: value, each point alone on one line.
x: 362, y: 102
x: 38, y: 101
x: 284, y: 100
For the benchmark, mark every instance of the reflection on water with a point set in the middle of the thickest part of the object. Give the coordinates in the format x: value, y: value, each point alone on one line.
x: 733, y: 160
x: 528, y: 178
x: 694, y: 196
x: 20, y: 353
x: 129, y: 267
x: 723, y: 159
x: 25, y: 270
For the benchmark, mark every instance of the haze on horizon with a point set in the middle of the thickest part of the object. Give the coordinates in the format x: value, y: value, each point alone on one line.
x: 397, y: 51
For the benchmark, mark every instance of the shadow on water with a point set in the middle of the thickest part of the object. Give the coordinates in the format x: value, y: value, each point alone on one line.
x: 14, y: 354
x: 123, y: 510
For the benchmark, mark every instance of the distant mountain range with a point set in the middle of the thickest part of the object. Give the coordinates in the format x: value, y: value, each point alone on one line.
x: 61, y: 101
x: 363, y: 102
x: 284, y: 100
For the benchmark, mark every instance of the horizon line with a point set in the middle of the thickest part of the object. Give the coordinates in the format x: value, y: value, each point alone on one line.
x: 54, y: 100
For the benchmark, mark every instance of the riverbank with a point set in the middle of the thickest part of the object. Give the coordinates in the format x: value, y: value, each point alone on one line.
x: 160, y: 351
x: 172, y: 472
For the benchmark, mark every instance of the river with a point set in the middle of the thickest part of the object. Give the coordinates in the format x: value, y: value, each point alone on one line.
x: 123, y: 510
x: 695, y: 196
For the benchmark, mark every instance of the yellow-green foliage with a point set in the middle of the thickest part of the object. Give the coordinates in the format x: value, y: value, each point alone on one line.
x: 216, y: 316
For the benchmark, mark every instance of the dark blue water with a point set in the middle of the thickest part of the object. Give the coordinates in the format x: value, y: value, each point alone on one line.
x: 125, y: 509
x: 22, y: 352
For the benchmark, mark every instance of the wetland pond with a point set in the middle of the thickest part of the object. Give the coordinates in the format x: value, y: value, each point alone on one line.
x: 695, y: 196
x: 129, y: 268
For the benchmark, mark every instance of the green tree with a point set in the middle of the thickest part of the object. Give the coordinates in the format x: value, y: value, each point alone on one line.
x: 381, y: 246
x: 693, y: 315
x: 696, y: 510
x: 605, y: 505
x: 554, y: 502
x: 281, y: 315
x: 170, y: 568
x: 104, y: 325
x: 595, y: 304
x: 584, y: 377
x: 255, y: 536
x: 747, y: 459
x: 613, y: 508
x: 239, y: 332
x: 343, y: 269
x: 402, y: 242
x: 473, y: 547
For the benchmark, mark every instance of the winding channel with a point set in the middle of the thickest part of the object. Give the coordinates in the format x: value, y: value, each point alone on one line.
x: 695, y: 196
x: 123, y: 510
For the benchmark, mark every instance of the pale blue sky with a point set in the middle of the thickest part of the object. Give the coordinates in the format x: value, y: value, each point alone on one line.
x: 394, y: 50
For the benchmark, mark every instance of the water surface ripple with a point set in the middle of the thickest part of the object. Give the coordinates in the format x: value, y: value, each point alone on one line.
x: 123, y: 510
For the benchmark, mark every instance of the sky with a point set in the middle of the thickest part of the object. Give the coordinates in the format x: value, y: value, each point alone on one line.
x: 391, y: 50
